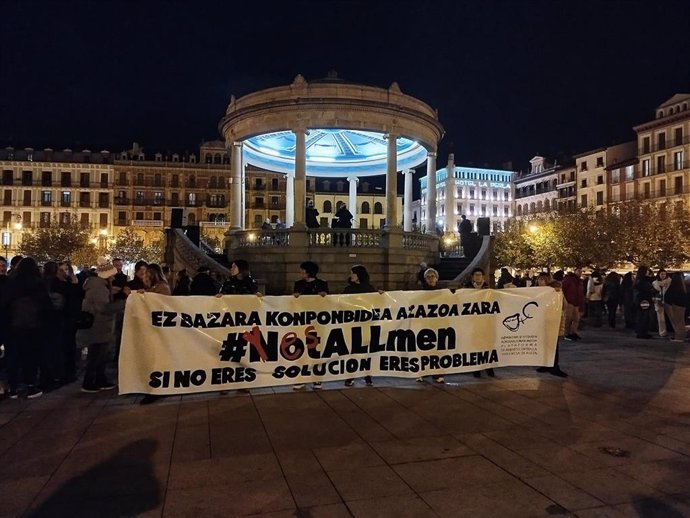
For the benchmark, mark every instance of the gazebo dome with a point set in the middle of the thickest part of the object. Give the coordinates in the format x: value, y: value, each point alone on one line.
x: 332, y: 152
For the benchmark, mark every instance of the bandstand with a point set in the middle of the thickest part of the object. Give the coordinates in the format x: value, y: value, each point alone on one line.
x: 332, y: 128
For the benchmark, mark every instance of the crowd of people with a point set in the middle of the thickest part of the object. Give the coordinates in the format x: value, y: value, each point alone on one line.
x: 52, y: 316
x: 646, y: 302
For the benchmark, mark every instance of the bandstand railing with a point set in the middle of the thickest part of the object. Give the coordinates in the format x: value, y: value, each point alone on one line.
x: 327, y: 237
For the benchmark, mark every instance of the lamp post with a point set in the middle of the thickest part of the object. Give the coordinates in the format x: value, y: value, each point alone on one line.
x: 6, y: 241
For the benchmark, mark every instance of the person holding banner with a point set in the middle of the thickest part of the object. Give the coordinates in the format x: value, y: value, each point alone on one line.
x: 431, y: 283
x: 478, y: 282
x: 156, y: 281
x: 240, y: 281
x: 309, y: 284
x: 544, y: 279
x: 359, y: 282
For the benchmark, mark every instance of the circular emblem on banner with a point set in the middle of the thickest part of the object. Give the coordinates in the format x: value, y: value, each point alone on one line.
x: 644, y: 304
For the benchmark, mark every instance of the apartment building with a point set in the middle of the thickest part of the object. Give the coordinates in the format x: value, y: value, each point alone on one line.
x: 592, y: 174
x: 537, y: 190
x: 43, y: 186
x: 663, y: 149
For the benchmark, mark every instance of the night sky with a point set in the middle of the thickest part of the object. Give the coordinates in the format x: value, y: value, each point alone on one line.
x: 510, y: 79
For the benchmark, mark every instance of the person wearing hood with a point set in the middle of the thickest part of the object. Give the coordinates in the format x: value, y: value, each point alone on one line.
x: 505, y: 280
x: 99, y: 338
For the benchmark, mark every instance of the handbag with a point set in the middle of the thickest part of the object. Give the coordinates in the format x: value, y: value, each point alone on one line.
x: 84, y: 320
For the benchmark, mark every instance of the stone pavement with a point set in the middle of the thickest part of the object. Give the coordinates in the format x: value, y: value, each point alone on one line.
x: 612, y: 440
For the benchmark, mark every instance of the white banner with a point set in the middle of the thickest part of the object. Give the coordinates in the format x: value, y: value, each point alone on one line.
x: 179, y: 345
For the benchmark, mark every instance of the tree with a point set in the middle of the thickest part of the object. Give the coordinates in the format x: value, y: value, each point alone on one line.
x: 653, y: 235
x: 58, y: 241
x: 511, y: 247
x: 128, y: 246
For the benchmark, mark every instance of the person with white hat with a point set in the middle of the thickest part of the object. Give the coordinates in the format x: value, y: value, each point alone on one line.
x: 99, y: 338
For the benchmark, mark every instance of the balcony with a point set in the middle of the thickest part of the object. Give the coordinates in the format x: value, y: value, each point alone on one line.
x: 65, y: 203
x: 46, y: 203
x: 122, y: 201
x: 668, y: 145
x: 103, y: 205
x: 151, y: 223
x: 656, y: 194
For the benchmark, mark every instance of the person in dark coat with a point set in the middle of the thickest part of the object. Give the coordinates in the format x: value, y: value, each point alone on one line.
x: 544, y: 279
x: 343, y: 220
x: 477, y: 281
x: 26, y: 306
x: 309, y: 284
x: 629, y: 308
x: 505, y: 280
x: 240, y: 281
x: 139, y: 281
x: 311, y: 215
x: 203, y: 284
x: 612, y: 296
x: 183, y: 285
x: 359, y: 282
x: 431, y: 278
x: 643, y: 298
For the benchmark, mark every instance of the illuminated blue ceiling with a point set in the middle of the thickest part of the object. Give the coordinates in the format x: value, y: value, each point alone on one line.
x: 331, y: 152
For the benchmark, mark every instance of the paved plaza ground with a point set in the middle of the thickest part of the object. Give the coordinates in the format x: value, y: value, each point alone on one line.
x: 612, y: 440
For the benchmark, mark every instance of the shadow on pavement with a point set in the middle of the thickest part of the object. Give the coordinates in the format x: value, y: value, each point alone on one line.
x: 122, y: 486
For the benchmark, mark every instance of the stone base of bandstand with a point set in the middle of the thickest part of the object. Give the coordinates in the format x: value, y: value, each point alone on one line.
x: 391, y: 256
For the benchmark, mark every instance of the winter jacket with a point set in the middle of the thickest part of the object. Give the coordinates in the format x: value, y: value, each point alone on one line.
x: 595, y: 290
x: 359, y: 288
x: 236, y: 285
x: 98, y: 302
x: 26, y: 303
x: 573, y: 290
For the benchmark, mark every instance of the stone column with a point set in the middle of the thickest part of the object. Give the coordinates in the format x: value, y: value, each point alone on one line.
x: 243, y: 189
x: 289, y: 200
x: 407, y: 201
x: 431, y: 193
x: 451, y: 220
x: 236, y: 187
x: 352, y: 200
x: 300, y: 194
x: 391, y: 182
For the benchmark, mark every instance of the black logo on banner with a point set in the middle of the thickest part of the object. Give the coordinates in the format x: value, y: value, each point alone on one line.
x: 513, y: 322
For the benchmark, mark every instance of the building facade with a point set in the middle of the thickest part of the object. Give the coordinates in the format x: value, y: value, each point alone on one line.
x: 663, y: 152
x: 40, y: 187
x: 537, y: 190
x: 595, y: 186
x: 470, y: 191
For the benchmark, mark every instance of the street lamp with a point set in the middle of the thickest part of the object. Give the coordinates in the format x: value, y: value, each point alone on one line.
x: 6, y: 241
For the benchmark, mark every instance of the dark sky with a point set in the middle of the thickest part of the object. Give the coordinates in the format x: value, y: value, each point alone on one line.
x: 510, y: 79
